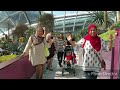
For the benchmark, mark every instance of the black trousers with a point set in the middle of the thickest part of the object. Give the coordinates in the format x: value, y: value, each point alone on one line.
x: 60, y: 57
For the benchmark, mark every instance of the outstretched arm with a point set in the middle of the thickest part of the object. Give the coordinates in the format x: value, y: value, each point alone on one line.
x: 27, y: 47
x: 69, y: 38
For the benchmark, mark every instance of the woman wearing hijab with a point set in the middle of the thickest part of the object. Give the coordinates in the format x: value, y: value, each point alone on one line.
x: 92, y: 46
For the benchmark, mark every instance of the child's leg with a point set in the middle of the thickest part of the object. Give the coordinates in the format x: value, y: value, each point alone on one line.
x: 66, y: 62
x: 71, y: 62
x: 61, y: 55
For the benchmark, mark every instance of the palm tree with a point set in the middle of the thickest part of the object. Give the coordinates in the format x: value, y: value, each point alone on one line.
x: 118, y: 16
x: 100, y: 18
x: 47, y: 20
x: 105, y: 19
x: 116, y: 24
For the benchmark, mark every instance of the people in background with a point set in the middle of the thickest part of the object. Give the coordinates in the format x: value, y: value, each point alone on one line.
x: 52, y: 49
x: 60, y: 48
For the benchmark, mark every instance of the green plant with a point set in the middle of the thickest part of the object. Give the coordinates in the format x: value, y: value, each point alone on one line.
x: 29, y: 32
x: 76, y: 37
x: 3, y: 45
x: 105, y: 36
x: 99, y: 18
x: 117, y: 25
x: 83, y: 32
x: 7, y: 57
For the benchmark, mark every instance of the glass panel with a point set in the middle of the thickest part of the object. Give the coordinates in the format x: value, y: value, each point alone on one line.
x: 70, y: 12
x: 2, y: 15
x: 47, y: 11
x: 83, y: 12
x: 58, y: 13
x: 33, y: 16
x: 19, y: 18
x: 3, y: 30
x: 6, y: 25
x: 11, y: 12
x: 69, y: 22
x: 59, y: 22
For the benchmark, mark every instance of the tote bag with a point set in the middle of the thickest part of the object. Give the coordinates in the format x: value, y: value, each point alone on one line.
x: 46, y: 51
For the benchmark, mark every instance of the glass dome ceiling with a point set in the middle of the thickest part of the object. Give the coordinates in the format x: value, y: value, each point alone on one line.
x: 64, y: 20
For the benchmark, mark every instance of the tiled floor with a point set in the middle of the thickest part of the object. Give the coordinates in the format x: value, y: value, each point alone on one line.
x: 57, y: 72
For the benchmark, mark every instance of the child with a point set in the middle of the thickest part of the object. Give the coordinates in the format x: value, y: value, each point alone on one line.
x: 69, y: 58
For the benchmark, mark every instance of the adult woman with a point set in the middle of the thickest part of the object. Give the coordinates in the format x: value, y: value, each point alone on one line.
x: 93, y: 46
x: 35, y: 46
x: 60, y: 48
x: 50, y: 37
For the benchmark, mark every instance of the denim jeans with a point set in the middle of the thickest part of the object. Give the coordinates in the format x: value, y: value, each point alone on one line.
x: 90, y: 75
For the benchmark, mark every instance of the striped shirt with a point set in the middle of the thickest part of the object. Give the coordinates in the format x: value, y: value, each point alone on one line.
x: 60, y: 47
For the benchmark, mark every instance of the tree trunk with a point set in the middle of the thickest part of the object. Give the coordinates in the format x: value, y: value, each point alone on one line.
x: 118, y: 16
x: 105, y: 19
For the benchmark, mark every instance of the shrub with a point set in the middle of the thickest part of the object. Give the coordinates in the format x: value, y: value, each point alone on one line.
x: 105, y: 35
x: 7, y: 57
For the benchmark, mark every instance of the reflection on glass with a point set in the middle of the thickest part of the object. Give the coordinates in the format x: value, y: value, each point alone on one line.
x: 19, y: 18
x: 58, y: 13
x: 11, y: 12
x: 70, y: 12
x: 33, y: 16
x: 2, y: 15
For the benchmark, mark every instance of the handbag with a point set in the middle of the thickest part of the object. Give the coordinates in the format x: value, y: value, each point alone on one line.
x: 103, y: 64
x: 46, y: 50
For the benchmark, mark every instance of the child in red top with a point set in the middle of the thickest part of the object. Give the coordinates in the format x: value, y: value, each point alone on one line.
x: 69, y: 57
